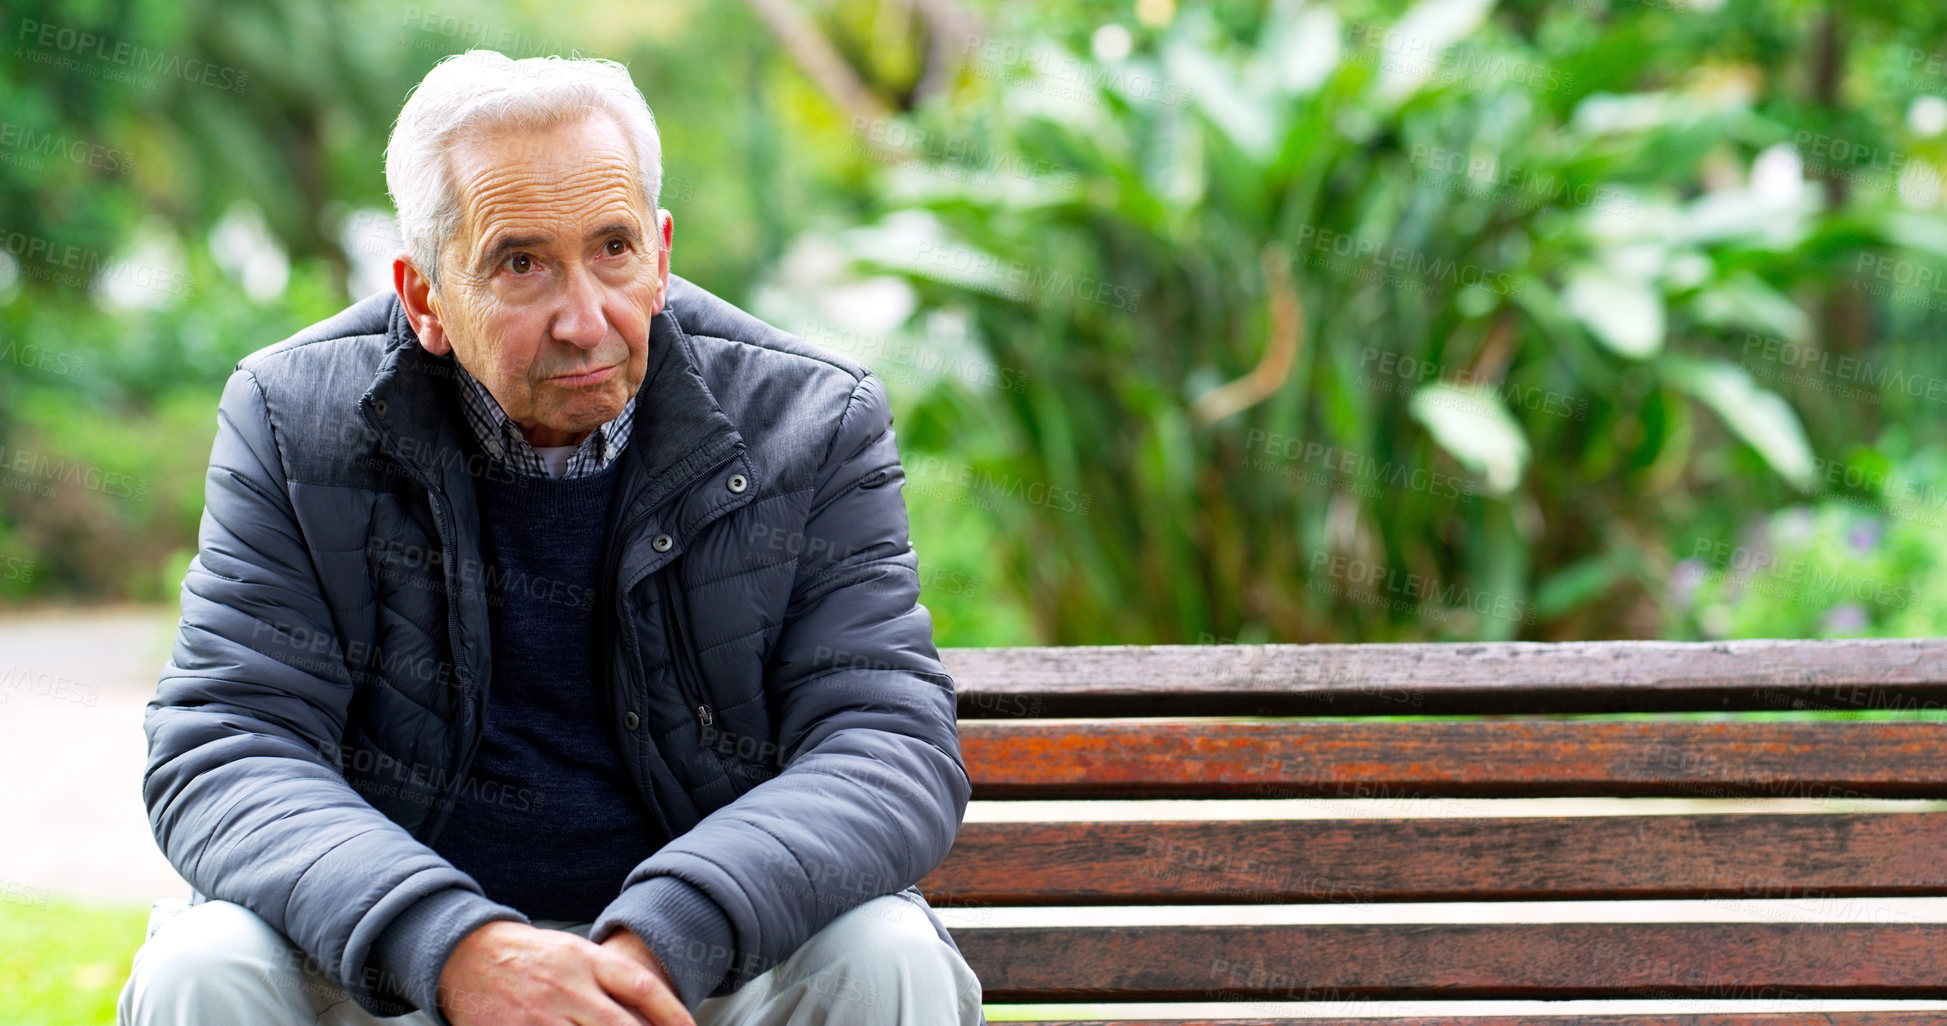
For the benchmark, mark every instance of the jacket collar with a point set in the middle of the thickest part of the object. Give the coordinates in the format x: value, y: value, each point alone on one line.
x: 680, y: 430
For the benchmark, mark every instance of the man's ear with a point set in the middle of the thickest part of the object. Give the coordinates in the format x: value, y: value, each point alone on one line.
x: 665, y: 227
x: 421, y: 310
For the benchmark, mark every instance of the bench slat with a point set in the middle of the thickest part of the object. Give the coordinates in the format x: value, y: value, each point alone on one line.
x: 1502, y: 677
x: 1537, y: 961
x: 1493, y: 758
x: 1368, y: 860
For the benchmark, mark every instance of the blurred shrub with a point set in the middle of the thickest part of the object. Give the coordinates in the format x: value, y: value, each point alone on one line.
x: 1432, y: 325
x: 106, y: 419
x: 1867, y: 565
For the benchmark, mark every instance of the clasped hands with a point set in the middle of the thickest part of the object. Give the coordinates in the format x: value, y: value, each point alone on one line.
x: 512, y: 974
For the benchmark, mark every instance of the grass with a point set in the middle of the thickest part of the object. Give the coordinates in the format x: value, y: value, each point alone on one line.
x: 64, y: 964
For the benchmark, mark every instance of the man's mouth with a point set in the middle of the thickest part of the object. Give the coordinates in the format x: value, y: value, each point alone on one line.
x: 577, y: 379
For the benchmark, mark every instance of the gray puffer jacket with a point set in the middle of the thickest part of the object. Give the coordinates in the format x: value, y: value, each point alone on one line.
x: 774, y: 684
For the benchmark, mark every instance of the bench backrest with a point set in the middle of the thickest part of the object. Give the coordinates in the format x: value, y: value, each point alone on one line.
x: 1286, y: 721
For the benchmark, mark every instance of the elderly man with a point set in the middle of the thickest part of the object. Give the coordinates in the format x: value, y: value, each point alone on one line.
x: 552, y: 654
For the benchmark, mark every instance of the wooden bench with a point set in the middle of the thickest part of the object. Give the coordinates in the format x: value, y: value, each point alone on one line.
x: 1186, y: 722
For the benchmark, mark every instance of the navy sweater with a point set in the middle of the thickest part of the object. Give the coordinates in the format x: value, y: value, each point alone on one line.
x: 547, y: 820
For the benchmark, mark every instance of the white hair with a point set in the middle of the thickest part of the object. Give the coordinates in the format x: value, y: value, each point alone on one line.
x: 481, y: 91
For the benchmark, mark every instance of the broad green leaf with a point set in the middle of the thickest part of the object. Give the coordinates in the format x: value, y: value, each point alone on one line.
x: 1758, y: 415
x: 1743, y: 301
x: 1473, y: 426
x: 1744, y: 215
x: 1410, y: 52
x: 916, y: 244
x: 1300, y: 50
x: 1924, y: 232
x: 1240, y: 112
x: 1625, y: 314
x: 1611, y: 114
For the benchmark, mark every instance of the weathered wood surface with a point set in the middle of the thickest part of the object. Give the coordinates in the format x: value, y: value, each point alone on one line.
x: 1538, y: 961
x: 1831, y: 854
x: 1884, y: 1018
x: 1506, y: 758
x: 1507, y: 677
x: 1561, y: 859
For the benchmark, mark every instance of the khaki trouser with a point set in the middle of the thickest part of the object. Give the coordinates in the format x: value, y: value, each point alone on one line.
x: 218, y: 964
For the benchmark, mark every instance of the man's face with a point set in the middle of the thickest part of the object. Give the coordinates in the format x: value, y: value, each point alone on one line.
x: 547, y: 290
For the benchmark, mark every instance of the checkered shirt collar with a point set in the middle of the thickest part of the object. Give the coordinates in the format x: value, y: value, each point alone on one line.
x: 502, y: 438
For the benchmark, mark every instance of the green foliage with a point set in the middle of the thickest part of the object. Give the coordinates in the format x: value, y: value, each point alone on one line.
x: 1310, y: 321
x: 108, y: 418
x: 1526, y: 265
x: 1866, y: 565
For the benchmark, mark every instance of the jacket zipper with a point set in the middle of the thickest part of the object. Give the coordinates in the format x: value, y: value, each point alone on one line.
x: 476, y: 692
x: 689, y: 674
x: 443, y: 519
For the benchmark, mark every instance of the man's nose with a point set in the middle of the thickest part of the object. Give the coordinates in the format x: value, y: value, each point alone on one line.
x: 580, y: 320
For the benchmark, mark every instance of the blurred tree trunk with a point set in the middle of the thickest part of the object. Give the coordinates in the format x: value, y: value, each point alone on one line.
x: 813, y: 50
x: 854, y: 89
x: 1843, y: 318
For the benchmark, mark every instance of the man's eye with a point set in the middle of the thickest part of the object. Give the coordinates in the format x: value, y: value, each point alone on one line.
x: 520, y: 263
x: 617, y: 247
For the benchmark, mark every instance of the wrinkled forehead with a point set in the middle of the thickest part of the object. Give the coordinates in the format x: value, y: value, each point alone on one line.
x: 546, y: 178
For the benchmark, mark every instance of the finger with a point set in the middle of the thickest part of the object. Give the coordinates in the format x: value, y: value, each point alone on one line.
x: 639, y: 989
x: 601, y: 1009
